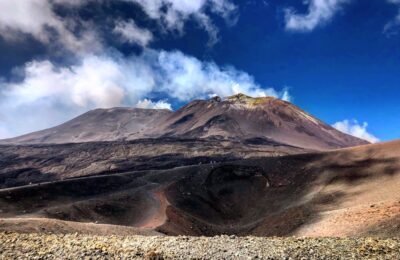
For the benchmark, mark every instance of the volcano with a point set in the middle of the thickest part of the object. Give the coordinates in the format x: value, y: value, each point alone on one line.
x: 243, y: 117
x: 238, y: 166
x: 238, y: 117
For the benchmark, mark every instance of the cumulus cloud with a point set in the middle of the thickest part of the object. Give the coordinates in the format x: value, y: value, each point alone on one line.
x: 37, y: 19
x: 185, y: 78
x: 148, y: 104
x: 49, y: 94
x: 352, y: 127
x: 172, y: 14
x: 319, y: 12
x: 130, y: 32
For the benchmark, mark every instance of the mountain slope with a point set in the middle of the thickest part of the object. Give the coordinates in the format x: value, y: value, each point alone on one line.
x: 35, y: 163
x: 242, y: 117
x: 96, y: 125
x: 346, y: 192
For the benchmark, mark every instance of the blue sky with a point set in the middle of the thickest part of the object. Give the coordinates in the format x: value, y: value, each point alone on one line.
x: 337, y: 59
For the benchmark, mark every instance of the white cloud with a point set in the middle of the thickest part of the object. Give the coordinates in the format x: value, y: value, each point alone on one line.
x: 147, y: 103
x: 391, y: 28
x: 130, y: 32
x: 49, y: 95
x: 172, y: 14
x: 70, y: 2
x: 355, y: 129
x: 206, y: 23
x: 286, y: 96
x: 185, y: 78
x: 36, y: 18
x: 319, y: 12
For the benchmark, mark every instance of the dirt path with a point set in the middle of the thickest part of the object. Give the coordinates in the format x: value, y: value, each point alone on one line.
x: 158, y: 215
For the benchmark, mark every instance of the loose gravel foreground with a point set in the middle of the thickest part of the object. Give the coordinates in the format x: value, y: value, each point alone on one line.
x: 75, y: 246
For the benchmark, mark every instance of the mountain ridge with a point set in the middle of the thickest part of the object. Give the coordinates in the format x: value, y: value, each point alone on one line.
x: 95, y: 125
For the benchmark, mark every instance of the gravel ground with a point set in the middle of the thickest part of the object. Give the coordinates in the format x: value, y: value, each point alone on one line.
x: 75, y: 246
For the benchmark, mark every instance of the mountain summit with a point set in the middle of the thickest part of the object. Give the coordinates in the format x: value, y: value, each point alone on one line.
x: 238, y: 118
x: 247, y: 100
x: 242, y: 117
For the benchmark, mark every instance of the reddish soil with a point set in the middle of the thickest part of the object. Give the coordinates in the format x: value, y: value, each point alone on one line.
x: 158, y: 216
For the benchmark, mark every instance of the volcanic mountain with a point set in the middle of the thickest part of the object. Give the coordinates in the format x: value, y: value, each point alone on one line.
x: 239, y: 117
x: 240, y: 166
x: 244, y: 117
x: 96, y: 125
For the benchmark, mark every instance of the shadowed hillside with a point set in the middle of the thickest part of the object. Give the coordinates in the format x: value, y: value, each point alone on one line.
x: 21, y: 165
x: 346, y: 192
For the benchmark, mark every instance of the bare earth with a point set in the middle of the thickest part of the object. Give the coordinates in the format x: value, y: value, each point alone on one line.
x: 344, y: 193
x: 74, y: 246
x: 249, y: 169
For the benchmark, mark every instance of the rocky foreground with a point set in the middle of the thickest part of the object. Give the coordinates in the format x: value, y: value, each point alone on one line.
x: 75, y: 246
